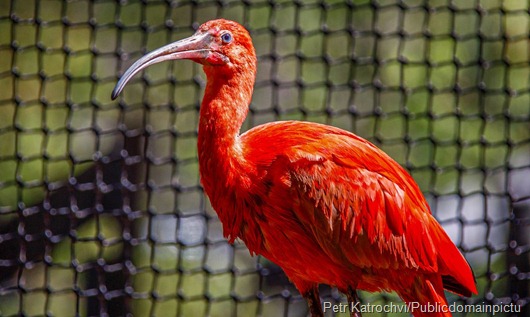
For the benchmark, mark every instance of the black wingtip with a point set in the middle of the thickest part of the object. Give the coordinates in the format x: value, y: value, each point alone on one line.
x: 454, y: 286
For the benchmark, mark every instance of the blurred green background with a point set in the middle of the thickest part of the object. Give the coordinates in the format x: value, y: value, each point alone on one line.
x: 101, y: 211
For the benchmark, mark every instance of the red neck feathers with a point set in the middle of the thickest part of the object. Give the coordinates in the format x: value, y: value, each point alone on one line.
x: 221, y: 163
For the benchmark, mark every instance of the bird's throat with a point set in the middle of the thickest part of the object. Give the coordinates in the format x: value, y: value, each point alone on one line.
x: 223, y: 111
x: 224, y: 108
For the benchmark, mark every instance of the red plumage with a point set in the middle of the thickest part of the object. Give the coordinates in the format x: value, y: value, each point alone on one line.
x: 324, y: 204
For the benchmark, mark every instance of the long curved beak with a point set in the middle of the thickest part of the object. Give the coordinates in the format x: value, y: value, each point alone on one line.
x: 195, y: 47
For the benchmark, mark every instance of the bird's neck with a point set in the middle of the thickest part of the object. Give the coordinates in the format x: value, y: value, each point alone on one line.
x: 223, y: 168
x: 223, y: 111
x: 224, y: 108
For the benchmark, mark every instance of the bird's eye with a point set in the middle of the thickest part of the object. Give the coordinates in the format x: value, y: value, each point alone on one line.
x: 226, y: 37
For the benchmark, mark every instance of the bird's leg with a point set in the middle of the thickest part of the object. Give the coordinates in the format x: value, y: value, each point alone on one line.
x: 353, y: 299
x: 313, y: 300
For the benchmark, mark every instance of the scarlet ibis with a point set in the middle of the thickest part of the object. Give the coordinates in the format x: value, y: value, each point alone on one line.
x: 324, y: 204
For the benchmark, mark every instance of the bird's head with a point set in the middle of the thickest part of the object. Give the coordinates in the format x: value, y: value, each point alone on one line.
x: 222, y: 46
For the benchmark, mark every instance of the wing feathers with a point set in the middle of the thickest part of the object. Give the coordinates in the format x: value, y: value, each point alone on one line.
x: 355, y: 201
x: 363, y: 205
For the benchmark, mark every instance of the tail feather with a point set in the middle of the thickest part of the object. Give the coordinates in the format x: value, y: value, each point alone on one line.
x: 426, y: 298
x: 457, y: 275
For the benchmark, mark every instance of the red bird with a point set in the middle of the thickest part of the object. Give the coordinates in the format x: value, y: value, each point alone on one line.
x: 324, y: 204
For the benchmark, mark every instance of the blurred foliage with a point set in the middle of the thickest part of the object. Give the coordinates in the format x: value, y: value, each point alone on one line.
x: 441, y: 86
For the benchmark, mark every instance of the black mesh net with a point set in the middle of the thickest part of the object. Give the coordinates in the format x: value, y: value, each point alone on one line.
x: 101, y: 209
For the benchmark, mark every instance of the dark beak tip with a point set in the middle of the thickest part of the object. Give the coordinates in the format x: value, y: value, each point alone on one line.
x: 114, y: 94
